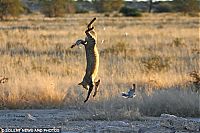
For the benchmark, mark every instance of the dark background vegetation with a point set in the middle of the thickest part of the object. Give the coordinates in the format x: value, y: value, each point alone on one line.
x: 59, y: 8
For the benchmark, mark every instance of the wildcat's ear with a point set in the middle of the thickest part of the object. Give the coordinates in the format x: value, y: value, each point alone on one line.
x: 80, y: 83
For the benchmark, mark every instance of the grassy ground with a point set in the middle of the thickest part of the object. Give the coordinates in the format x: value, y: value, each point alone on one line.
x: 158, y: 52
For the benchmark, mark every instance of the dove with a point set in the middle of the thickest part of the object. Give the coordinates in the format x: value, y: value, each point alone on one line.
x: 130, y: 93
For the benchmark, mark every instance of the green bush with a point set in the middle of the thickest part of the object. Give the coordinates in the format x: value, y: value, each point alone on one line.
x: 10, y: 8
x: 130, y: 12
x: 57, y: 8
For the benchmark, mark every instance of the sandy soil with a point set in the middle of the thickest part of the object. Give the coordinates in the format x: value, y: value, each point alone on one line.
x: 68, y: 122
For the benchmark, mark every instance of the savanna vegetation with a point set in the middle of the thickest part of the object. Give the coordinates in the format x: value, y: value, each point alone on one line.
x: 158, y: 52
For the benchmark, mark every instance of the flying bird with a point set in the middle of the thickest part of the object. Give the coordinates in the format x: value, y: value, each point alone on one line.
x: 130, y: 93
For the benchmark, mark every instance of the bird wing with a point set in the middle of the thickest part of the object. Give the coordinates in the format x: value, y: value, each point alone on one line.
x: 133, y: 88
x: 124, y: 95
x: 130, y: 93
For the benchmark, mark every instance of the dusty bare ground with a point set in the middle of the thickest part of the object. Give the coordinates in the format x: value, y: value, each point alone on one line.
x: 69, y: 122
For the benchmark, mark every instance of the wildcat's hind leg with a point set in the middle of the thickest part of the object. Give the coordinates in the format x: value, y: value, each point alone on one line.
x: 96, y: 87
x: 89, y: 92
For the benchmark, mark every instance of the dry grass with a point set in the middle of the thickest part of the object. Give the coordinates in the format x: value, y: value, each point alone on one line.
x: 155, y: 51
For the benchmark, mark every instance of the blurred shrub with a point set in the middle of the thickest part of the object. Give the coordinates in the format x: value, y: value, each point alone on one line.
x: 164, y: 7
x: 120, y: 47
x: 178, y: 42
x: 10, y: 8
x: 56, y: 8
x: 186, y: 6
x: 171, y: 101
x: 108, y: 5
x: 155, y: 63
x: 82, y: 11
x: 195, y: 80
x: 130, y: 12
x: 107, y: 14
